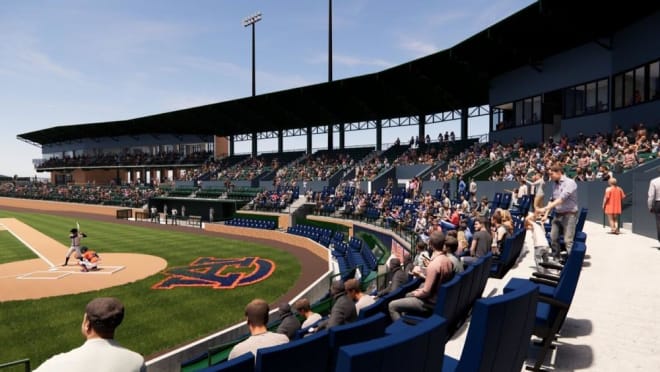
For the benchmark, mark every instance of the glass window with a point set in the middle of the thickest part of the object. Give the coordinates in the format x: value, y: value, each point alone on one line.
x: 654, y: 80
x: 569, y: 102
x: 628, y: 87
x: 618, y: 91
x: 603, y: 96
x: 519, y: 113
x: 527, y: 111
x: 579, y: 99
x: 591, y: 97
x: 536, y: 115
x: 639, y: 95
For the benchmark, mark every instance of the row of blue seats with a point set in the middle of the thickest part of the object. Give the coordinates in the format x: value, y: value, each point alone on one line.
x: 318, y: 234
x: 252, y: 223
x: 501, y: 328
x: 454, y: 299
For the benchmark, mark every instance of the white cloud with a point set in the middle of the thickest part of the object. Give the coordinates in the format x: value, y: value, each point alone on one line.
x: 418, y: 47
x: 350, y: 61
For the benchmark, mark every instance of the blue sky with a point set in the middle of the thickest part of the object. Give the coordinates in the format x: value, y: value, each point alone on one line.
x: 79, y: 61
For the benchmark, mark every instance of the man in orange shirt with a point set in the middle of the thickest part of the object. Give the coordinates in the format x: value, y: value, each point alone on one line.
x: 89, y: 260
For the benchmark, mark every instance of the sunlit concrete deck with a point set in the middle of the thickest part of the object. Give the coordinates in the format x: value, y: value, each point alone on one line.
x: 612, y: 324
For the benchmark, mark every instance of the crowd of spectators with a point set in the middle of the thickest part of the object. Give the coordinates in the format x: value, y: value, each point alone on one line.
x: 128, y: 196
x: 126, y: 159
x: 585, y: 158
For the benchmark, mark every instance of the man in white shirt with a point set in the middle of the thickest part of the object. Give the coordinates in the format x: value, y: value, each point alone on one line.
x: 100, y: 352
x: 352, y: 288
x: 256, y: 313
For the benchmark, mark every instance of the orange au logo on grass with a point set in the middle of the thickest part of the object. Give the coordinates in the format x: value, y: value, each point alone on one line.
x: 218, y: 273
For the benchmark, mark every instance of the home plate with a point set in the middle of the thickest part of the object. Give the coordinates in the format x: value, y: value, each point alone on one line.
x: 57, y: 272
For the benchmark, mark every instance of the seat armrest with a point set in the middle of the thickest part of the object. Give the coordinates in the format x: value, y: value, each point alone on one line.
x: 553, y: 278
x: 543, y: 281
x: 553, y: 302
x: 549, y: 265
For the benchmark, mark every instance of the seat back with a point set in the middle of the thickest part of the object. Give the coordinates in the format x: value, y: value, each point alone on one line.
x: 500, y: 331
x: 352, y: 333
x: 464, y: 297
x: 243, y: 363
x: 447, y: 301
x: 581, y: 219
x: 482, y: 265
x: 306, y: 354
x: 506, y: 201
x: 419, y: 349
x: 570, y: 274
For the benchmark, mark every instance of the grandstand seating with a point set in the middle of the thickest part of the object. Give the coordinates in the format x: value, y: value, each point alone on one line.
x: 420, y: 349
x: 243, y: 363
x: 511, y: 251
x: 554, y: 303
x: 306, y: 354
x: 252, y: 223
x: 499, y: 334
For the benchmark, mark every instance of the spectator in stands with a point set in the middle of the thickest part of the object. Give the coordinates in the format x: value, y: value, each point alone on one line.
x: 100, y: 352
x: 612, y: 204
x: 565, y: 202
x: 256, y: 313
x: 289, y: 324
x: 343, y: 310
x: 481, y: 241
x: 353, y: 291
x: 473, y: 188
x: 396, y: 277
x: 540, y: 243
x: 451, y: 246
x: 536, y: 190
x: 303, y: 307
x: 438, y: 271
x: 422, y: 258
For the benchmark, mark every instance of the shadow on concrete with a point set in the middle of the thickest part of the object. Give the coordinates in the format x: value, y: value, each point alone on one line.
x: 574, y: 328
x: 565, y: 358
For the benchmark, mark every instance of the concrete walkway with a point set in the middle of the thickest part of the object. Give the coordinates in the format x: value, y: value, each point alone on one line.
x: 612, y: 324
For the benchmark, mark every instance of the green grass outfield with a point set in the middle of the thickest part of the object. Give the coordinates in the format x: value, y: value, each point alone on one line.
x: 156, y: 320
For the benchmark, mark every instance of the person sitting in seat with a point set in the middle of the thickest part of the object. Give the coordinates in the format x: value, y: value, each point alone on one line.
x: 256, y: 313
x: 303, y: 307
x: 439, y: 270
x: 289, y: 323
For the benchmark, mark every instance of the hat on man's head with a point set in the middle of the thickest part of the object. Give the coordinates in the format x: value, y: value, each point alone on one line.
x: 285, y: 308
x: 395, y: 262
x: 74, y: 230
x: 105, y: 314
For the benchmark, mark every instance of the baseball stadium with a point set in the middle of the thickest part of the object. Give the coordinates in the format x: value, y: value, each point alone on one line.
x: 535, y: 217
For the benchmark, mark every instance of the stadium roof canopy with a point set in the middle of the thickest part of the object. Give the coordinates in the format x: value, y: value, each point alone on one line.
x: 448, y: 80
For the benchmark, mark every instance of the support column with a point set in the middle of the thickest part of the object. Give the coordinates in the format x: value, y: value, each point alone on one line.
x: 309, y: 140
x: 422, y: 127
x: 280, y: 141
x: 464, y: 123
x: 254, y: 144
x: 342, y: 132
x: 379, y: 135
x: 330, y: 138
x: 231, y: 145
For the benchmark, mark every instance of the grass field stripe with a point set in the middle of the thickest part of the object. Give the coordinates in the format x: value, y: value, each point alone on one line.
x: 34, y: 250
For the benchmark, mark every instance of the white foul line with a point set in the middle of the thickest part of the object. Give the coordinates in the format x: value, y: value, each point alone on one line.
x: 29, y: 246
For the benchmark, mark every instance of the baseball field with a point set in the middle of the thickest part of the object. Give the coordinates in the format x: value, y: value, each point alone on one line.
x: 164, y: 309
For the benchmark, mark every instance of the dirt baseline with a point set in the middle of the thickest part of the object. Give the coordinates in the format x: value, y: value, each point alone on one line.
x: 41, y: 277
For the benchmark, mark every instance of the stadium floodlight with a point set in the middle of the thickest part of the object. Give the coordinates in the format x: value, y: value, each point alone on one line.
x: 250, y: 21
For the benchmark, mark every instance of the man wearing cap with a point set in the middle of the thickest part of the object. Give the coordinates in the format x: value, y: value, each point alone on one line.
x: 75, y: 237
x: 100, y: 353
x: 256, y: 313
